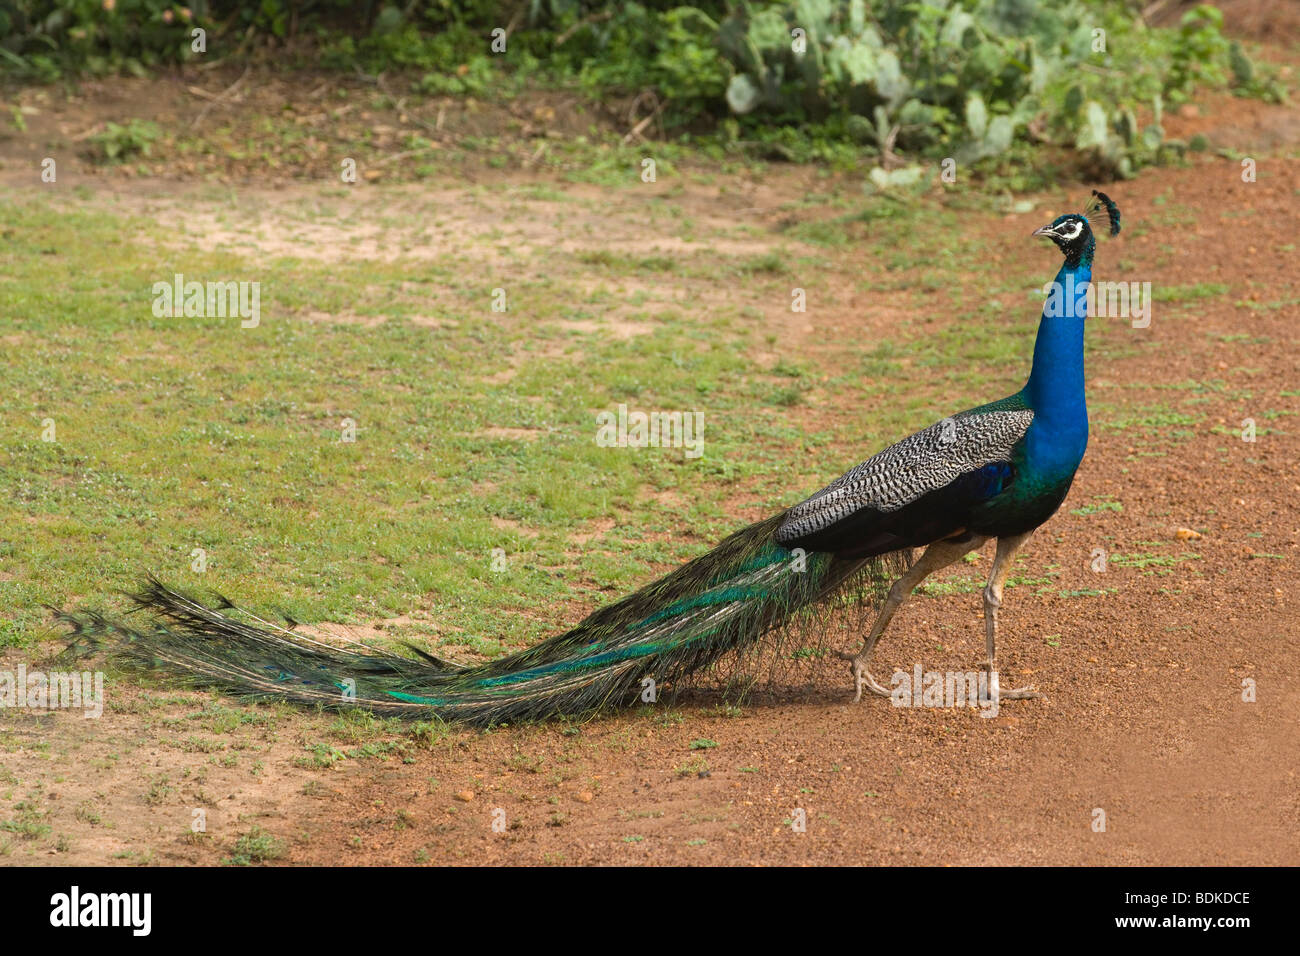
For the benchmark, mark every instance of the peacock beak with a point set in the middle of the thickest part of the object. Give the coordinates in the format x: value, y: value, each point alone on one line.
x: 1043, y: 231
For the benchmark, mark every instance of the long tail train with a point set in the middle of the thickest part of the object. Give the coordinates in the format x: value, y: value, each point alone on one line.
x: 723, y: 601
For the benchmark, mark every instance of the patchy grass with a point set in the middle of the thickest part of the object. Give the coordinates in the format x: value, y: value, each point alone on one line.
x: 255, y: 846
x: 1189, y: 293
x: 28, y: 821
x: 172, y: 435
x: 1099, y: 504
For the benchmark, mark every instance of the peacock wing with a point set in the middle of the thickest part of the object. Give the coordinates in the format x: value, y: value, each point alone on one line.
x: 913, y: 492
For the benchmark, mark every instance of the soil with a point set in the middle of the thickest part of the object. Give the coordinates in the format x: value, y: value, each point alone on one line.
x: 1143, y: 716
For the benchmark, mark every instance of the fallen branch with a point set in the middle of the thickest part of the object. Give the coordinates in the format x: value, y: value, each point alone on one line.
x: 635, y: 131
x: 585, y: 22
x: 1151, y: 10
x: 243, y: 44
x: 403, y: 155
x: 218, y: 99
x: 515, y: 20
x: 536, y: 156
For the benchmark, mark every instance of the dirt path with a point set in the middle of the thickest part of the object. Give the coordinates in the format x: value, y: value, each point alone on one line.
x: 1142, y: 664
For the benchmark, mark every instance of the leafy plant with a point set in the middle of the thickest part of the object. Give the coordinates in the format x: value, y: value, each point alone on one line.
x: 977, y: 81
x: 118, y: 143
x: 967, y: 78
x: 255, y: 846
x: 44, y: 39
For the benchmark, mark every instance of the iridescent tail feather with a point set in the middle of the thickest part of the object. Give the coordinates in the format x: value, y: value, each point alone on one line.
x: 721, y: 603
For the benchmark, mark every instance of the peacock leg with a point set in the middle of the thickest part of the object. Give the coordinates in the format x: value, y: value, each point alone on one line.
x: 936, y: 556
x: 1002, y: 561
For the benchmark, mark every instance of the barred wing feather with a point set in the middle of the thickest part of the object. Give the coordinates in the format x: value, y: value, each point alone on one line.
x: 928, y: 461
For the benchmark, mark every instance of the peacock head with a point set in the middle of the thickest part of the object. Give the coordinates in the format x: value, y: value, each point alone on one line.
x: 1072, y: 232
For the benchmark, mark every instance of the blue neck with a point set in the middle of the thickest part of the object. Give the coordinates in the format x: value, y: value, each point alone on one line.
x: 1055, y: 388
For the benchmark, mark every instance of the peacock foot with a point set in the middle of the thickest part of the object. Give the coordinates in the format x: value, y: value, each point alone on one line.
x: 862, y: 677
x: 994, y: 692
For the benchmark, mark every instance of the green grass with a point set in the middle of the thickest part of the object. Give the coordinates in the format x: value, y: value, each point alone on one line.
x: 28, y: 821
x: 255, y: 846
x: 178, y: 434
x: 1189, y: 293
x: 1099, y: 504
x: 1151, y: 563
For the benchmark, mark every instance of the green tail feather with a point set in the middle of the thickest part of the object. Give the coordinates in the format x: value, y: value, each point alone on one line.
x: 720, y: 602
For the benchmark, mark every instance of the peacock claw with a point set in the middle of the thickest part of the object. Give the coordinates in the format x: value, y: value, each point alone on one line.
x: 994, y: 692
x: 862, y: 676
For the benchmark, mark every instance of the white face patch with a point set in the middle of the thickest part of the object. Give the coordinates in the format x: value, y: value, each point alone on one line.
x: 1070, y: 230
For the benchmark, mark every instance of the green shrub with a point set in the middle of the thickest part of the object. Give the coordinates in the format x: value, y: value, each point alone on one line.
x: 975, y: 80
x: 118, y: 143
x: 43, y: 39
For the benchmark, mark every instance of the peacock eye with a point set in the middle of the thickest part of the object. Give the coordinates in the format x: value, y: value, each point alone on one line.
x: 1071, y: 230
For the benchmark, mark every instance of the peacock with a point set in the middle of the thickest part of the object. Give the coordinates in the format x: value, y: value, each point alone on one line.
x: 996, y: 471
